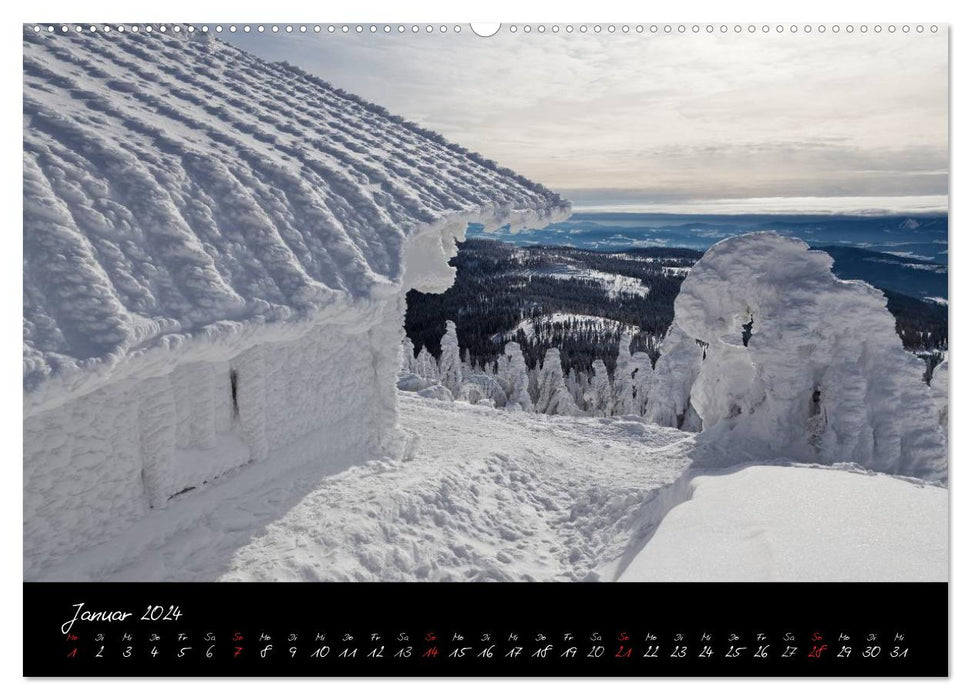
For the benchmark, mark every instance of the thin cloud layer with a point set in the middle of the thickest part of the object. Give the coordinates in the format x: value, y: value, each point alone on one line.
x: 648, y: 117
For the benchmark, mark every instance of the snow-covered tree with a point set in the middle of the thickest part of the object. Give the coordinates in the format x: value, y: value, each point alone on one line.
x: 800, y: 364
x: 643, y: 379
x: 623, y: 399
x: 577, y: 383
x: 517, y: 378
x: 425, y: 365
x: 450, y: 362
x: 407, y: 355
x: 502, y: 368
x: 553, y: 397
x: 532, y: 375
x: 599, y: 397
x: 669, y: 397
x: 939, y: 390
x: 468, y: 367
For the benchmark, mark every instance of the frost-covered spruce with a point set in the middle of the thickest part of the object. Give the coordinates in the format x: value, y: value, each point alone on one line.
x: 623, y: 399
x: 643, y: 380
x: 517, y: 377
x: 939, y: 390
x: 800, y: 364
x: 600, y: 396
x: 533, y: 386
x: 450, y: 362
x: 426, y: 365
x: 577, y: 384
x: 468, y: 366
x: 407, y: 356
x: 554, y: 398
x: 669, y: 400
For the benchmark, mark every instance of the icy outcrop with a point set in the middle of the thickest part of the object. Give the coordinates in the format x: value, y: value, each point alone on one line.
x: 792, y: 361
x: 216, y: 252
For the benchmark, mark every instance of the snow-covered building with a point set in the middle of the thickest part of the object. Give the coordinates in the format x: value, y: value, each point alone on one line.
x: 216, y: 252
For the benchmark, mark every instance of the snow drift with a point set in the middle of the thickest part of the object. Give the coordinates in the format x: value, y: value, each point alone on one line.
x: 770, y: 349
x: 796, y: 523
x: 216, y: 251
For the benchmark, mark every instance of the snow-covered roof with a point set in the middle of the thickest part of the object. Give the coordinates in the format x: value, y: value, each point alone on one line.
x: 178, y: 188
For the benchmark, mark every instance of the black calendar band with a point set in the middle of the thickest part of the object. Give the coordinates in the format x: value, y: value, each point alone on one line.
x: 485, y: 629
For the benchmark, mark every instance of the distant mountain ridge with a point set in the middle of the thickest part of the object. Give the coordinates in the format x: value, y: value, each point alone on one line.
x: 923, y: 237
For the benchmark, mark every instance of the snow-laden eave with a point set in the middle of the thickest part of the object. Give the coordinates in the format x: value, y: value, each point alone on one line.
x: 425, y: 268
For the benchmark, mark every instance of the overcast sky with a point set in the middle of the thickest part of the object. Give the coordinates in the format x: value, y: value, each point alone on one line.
x: 628, y: 121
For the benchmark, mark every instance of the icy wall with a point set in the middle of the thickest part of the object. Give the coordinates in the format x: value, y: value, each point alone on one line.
x: 216, y: 251
x: 795, y: 362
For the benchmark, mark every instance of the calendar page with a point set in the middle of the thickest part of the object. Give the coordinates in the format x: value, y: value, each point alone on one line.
x: 437, y: 349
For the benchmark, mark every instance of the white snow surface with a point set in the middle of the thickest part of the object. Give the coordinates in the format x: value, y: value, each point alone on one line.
x: 772, y: 523
x: 614, y: 284
x: 181, y: 194
x: 490, y: 495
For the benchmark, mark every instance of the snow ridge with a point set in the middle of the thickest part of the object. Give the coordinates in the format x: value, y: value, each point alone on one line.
x: 180, y: 193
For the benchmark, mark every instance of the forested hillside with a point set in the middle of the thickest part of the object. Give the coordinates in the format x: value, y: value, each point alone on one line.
x: 569, y: 296
x: 582, y: 301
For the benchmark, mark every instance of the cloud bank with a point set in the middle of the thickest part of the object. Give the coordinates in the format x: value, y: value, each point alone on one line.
x: 671, y: 116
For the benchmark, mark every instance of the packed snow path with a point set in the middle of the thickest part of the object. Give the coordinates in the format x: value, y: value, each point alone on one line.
x: 490, y: 495
x: 486, y: 495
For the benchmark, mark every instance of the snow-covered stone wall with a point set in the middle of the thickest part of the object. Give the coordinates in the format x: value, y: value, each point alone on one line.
x: 216, y: 252
x: 773, y: 352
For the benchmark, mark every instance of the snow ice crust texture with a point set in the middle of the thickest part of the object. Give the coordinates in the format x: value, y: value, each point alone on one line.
x: 768, y: 348
x: 216, y: 250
